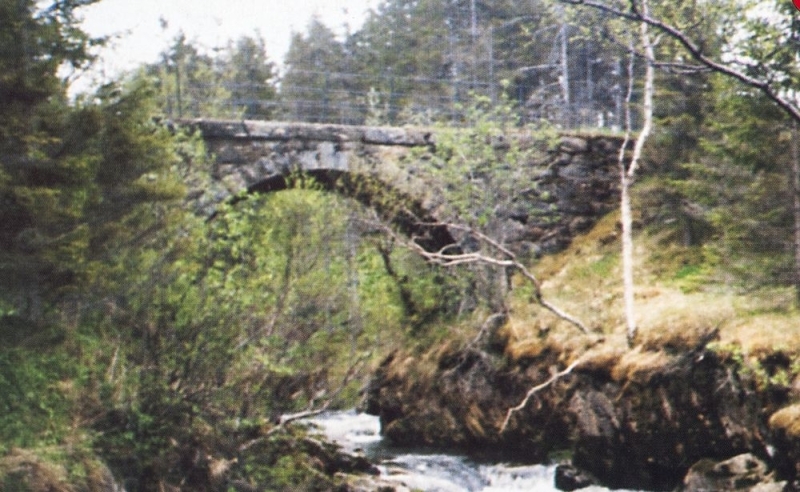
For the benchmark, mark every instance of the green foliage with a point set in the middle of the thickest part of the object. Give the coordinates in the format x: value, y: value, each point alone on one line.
x: 91, y: 184
x: 33, y: 407
x: 729, y: 189
x: 37, y: 39
x: 155, y: 337
x: 486, y: 165
x: 273, y: 306
x: 767, y: 375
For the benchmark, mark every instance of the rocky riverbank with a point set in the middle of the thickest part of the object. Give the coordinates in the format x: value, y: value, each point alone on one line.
x: 653, y: 418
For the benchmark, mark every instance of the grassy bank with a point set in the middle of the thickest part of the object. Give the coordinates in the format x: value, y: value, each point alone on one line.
x: 682, y: 293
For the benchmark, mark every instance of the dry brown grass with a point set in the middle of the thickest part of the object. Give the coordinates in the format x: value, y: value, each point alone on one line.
x: 787, y: 420
x: 676, y: 321
x: 400, y: 370
x: 675, y: 309
x: 638, y: 365
x: 603, y: 357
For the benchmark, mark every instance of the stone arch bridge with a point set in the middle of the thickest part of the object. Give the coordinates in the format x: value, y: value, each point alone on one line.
x: 574, y: 185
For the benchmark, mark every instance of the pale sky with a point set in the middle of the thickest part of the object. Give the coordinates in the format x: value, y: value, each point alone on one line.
x: 209, y: 23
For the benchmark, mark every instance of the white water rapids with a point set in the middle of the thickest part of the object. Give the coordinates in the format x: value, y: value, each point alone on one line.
x: 432, y: 472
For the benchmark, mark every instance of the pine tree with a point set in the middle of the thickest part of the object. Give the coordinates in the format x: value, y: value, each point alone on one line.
x: 70, y: 175
x: 252, y: 77
x: 314, y: 88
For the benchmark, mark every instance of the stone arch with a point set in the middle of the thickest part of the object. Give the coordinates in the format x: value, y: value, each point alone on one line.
x: 357, y: 162
x: 570, y: 187
x: 401, y: 211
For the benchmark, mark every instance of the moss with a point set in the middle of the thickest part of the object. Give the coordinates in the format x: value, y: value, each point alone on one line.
x: 594, y: 241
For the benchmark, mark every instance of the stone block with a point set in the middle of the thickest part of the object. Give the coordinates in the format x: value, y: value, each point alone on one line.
x: 574, y: 145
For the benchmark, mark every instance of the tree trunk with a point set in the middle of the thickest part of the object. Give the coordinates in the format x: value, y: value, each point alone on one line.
x: 795, y: 179
x: 564, y: 79
x: 628, y: 175
x: 628, y: 285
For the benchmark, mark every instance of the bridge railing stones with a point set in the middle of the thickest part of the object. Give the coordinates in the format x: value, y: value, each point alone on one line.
x: 576, y: 183
x: 280, y: 131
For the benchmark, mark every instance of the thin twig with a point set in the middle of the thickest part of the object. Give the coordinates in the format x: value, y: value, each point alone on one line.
x: 555, y: 377
x: 510, y: 261
x: 695, y: 50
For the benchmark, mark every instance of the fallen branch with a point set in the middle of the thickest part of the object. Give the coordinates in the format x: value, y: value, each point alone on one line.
x: 509, y: 260
x: 555, y: 377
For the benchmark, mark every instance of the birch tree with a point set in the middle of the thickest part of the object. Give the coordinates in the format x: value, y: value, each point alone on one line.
x: 628, y: 174
x: 759, y: 51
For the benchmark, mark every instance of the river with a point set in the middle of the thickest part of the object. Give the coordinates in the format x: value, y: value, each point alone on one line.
x: 433, y: 471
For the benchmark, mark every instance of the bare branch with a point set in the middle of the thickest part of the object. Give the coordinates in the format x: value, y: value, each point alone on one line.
x: 508, y: 260
x: 681, y: 68
x: 696, y: 52
x: 672, y: 67
x: 539, y: 387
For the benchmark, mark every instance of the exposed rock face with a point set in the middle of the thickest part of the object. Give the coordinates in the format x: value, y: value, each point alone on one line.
x: 744, y: 472
x: 640, y: 426
x: 691, y: 408
x: 460, y: 406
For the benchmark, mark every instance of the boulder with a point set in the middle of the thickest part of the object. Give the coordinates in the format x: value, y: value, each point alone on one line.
x: 574, y: 145
x: 570, y: 478
x: 743, y: 472
x: 785, y: 428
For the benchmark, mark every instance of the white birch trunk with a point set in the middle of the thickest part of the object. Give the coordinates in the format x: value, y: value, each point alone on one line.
x: 628, y: 175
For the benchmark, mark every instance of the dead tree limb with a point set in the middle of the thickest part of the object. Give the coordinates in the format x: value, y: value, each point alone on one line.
x: 767, y: 86
x: 539, y: 387
x: 507, y: 260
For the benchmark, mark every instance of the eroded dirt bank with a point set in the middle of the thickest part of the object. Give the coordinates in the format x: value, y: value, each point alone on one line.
x: 638, y: 418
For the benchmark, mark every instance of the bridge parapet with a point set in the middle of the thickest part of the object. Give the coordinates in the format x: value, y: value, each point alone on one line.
x: 281, y: 131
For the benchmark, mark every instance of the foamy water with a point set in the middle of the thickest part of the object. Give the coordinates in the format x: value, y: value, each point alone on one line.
x: 433, y: 472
